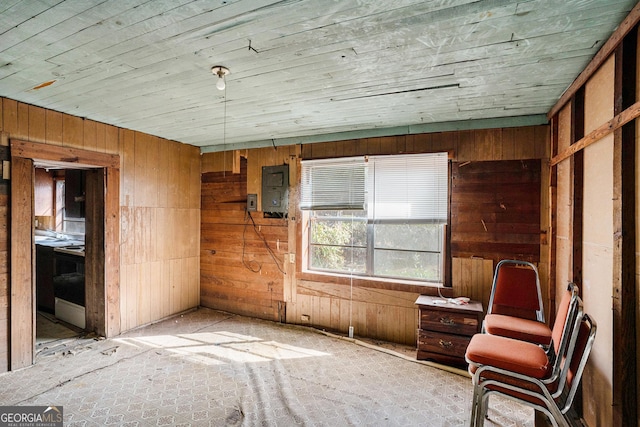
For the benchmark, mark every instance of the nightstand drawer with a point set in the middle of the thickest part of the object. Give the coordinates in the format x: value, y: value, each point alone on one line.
x: 445, y: 329
x: 450, y: 345
x: 449, y: 321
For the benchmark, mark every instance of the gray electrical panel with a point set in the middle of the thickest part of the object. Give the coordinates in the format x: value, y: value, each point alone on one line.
x: 275, y: 188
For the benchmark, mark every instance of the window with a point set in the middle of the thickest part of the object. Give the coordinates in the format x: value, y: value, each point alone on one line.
x: 382, y: 216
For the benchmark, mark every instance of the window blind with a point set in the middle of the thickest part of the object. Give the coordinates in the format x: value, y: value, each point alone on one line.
x: 333, y: 184
x: 410, y: 187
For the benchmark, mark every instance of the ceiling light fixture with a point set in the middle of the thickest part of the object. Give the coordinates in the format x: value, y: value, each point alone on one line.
x: 220, y: 71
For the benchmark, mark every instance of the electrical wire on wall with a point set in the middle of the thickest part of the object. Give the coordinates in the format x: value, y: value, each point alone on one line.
x: 249, y: 264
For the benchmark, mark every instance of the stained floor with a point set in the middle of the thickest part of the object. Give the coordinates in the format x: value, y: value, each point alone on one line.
x: 208, y: 368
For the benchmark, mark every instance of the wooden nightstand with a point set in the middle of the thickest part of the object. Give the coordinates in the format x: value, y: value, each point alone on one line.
x: 445, y: 330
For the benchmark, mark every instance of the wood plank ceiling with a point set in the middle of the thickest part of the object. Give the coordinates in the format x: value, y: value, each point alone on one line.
x: 301, y: 70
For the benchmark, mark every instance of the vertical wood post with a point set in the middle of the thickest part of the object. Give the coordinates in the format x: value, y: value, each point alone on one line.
x: 577, y: 174
x: 112, y: 251
x: 625, y: 378
x: 22, y: 264
x: 94, y: 267
x: 553, y: 218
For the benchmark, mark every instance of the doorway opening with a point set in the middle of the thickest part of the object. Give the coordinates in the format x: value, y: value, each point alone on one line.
x: 59, y: 238
x: 99, y: 242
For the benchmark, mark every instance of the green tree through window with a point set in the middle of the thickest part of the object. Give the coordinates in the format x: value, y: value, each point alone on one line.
x: 398, y: 232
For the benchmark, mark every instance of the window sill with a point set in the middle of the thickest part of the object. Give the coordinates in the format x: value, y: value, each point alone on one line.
x: 423, y: 288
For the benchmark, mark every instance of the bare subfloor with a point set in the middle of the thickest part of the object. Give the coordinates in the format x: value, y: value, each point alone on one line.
x: 52, y: 333
x: 212, y: 368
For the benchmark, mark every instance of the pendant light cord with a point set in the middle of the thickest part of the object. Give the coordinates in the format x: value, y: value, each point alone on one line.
x: 224, y: 134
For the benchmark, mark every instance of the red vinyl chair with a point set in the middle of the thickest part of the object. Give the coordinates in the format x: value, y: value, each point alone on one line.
x: 524, y: 358
x: 531, y: 330
x: 515, y: 306
x: 552, y: 396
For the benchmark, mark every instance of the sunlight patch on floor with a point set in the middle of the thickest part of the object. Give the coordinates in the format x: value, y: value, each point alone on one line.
x: 216, y: 348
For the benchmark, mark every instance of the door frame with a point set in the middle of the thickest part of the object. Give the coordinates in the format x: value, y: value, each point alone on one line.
x: 102, y: 251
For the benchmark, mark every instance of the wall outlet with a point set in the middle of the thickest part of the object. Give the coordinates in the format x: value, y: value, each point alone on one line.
x: 6, y: 169
x: 292, y: 258
x: 305, y: 318
x: 252, y: 202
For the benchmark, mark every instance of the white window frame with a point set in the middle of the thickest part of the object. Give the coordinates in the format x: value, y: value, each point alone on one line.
x: 390, y: 205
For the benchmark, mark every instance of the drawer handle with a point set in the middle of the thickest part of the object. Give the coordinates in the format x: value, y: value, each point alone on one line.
x: 445, y: 344
x: 447, y: 321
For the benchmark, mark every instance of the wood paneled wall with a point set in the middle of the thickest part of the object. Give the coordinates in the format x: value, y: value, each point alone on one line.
x: 375, y: 310
x: 43, y: 193
x: 495, y: 210
x: 159, y: 207
x: 472, y: 277
x: 160, y: 228
x: 463, y: 146
x: 243, y: 256
x: 384, y: 314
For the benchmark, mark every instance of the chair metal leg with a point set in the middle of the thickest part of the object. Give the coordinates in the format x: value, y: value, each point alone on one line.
x: 554, y: 416
x: 483, y: 407
x: 553, y: 402
x: 474, y: 406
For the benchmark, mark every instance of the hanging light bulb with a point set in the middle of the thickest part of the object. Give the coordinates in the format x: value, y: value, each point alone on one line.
x: 220, y: 83
x: 220, y: 71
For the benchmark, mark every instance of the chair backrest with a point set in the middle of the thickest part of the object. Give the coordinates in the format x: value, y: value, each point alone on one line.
x: 567, y: 310
x: 580, y: 348
x: 516, y: 291
x: 564, y: 336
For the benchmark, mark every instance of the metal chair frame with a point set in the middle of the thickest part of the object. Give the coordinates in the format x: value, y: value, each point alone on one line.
x: 557, y: 403
x: 567, y: 340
